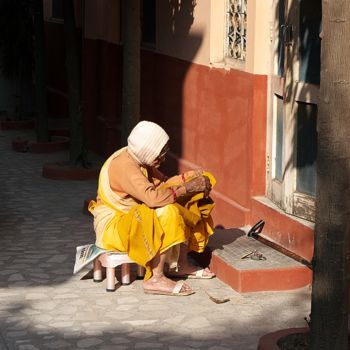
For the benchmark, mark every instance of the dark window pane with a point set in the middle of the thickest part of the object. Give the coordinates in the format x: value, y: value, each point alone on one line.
x: 306, y: 148
x: 279, y: 139
x: 310, y: 42
x: 149, y: 22
x: 281, y: 23
x: 57, y: 9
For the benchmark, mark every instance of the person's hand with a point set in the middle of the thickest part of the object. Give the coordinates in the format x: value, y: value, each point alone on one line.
x: 207, y: 187
x: 199, y: 184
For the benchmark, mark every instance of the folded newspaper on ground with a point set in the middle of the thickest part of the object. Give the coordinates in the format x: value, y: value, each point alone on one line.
x: 85, y: 255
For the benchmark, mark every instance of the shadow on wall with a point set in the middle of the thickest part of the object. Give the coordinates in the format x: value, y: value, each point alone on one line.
x: 178, y: 47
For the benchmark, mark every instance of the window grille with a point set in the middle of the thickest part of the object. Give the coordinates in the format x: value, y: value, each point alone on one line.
x: 236, y: 29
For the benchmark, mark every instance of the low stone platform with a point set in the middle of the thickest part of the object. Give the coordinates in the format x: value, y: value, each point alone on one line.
x: 278, y: 272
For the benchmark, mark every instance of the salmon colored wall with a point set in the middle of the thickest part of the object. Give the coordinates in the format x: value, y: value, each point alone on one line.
x: 284, y: 230
x: 209, y: 114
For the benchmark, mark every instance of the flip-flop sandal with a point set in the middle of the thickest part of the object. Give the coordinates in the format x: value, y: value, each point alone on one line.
x: 200, y: 274
x: 175, y: 292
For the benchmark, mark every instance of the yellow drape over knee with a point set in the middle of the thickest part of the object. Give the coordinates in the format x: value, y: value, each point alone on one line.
x: 143, y: 232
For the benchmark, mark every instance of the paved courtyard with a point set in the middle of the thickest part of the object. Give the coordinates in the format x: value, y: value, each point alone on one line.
x: 44, y: 306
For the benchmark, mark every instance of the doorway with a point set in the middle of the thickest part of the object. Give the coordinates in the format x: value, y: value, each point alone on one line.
x: 294, y: 87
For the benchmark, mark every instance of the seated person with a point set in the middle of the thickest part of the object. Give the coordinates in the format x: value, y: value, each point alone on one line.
x: 155, y: 220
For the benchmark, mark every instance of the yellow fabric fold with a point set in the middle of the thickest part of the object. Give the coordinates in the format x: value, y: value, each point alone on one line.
x: 122, y: 224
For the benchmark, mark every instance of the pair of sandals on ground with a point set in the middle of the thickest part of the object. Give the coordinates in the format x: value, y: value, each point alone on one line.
x: 163, y: 284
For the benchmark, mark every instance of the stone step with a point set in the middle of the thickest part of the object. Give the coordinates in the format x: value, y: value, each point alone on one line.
x: 278, y: 272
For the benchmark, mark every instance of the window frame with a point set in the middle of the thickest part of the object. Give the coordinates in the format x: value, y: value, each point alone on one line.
x: 231, y: 62
x: 48, y: 10
x: 284, y: 193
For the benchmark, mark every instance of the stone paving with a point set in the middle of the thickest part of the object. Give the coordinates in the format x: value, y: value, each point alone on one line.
x: 44, y: 306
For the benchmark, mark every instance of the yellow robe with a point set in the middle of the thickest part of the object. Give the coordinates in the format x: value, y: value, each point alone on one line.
x: 124, y: 225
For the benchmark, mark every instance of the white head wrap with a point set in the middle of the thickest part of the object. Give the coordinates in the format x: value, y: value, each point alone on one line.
x: 146, y: 141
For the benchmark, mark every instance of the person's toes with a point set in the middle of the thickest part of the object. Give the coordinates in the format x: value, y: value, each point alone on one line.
x: 207, y: 272
x: 186, y: 288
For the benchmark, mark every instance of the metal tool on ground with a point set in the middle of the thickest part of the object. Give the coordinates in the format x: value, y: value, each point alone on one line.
x: 254, y: 255
x: 217, y: 300
x: 255, y: 231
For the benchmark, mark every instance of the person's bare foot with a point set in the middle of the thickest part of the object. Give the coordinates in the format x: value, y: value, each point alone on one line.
x: 162, y: 285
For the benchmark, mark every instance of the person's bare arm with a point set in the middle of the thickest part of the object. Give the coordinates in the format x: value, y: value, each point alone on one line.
x: 126, y: 177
